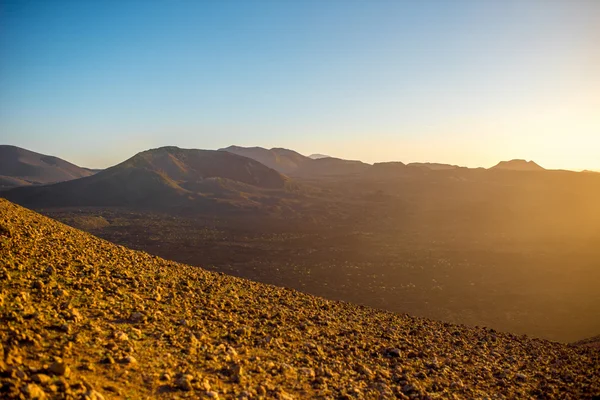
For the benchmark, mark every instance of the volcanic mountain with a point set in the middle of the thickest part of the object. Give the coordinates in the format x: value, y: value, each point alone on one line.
x: 518, y: 165
x: 282, y: 160
x: 83, y: 318
x: 20, y: 167
x: 295, y: 164
x: 167, y: 176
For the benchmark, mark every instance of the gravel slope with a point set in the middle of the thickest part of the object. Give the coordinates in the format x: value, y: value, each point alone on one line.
x: 84, y: 318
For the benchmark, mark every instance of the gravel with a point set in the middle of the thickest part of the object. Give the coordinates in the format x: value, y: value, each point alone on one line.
x: 71, y: 304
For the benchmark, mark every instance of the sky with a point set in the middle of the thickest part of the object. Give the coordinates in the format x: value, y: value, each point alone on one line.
x: 467, y: 82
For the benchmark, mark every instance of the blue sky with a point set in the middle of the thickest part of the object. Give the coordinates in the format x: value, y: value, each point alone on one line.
x: 465, y: 82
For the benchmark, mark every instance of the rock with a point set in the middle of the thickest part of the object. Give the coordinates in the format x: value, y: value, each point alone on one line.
x: 130, y: 360
x: 59, y: 368
x: 34, y: 392
x: 212, y: 395
x: 108, y: 360
x: 41, y: 379
x: 184, y: 383
x: 308, y: 372
x: 38, y: 284
x: 165, y: 376
x: 121, y: 336
x: 137, y: 317
x: 395, y: 353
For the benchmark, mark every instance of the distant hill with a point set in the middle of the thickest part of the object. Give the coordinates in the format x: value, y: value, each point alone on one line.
x: 281, y: 160
x: 317, y: 156
x: 433, y: 166
x: 20, y: 167
x: 292, y: 163
x: 331, y: 166
x: 593, y: 342
x: 167, y: 176
x: 518, y: 165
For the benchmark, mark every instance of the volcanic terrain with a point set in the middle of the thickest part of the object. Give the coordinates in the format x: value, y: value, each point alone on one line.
x: 84, y: 318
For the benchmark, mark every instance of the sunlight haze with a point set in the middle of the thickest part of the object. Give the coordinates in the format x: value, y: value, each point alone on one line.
x: 464, y: 82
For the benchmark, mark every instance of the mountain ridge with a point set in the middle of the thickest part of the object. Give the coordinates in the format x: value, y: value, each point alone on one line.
x: 161, y: 177
x: 22, y: 167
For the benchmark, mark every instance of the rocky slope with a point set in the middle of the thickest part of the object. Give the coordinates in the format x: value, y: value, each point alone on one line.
x: 20, y: 167
x: 83, y: 318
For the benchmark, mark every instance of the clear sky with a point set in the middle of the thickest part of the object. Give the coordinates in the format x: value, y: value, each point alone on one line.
x: 464, y: 82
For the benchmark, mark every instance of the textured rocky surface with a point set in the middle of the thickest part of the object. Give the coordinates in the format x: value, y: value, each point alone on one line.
x: 84, y: 318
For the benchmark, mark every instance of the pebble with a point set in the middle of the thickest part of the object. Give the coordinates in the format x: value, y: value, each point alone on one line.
x: 34, y: 392
x: 59, y: 368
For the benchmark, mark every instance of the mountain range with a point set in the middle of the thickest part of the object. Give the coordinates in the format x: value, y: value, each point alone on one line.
x: 295, y: 164
x: 163, y: 177
x: 20, y: 167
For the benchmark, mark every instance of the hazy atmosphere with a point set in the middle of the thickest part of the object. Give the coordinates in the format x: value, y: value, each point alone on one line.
x: 463, y: 82
x: 300, y: 199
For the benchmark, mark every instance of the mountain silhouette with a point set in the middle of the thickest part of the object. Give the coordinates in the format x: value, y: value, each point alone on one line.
x: 167, y: 176
x: 21, y: 167
x: 282, y: 160
x: 293, y: 163
x: 518, y: 165
x: 433, y: 166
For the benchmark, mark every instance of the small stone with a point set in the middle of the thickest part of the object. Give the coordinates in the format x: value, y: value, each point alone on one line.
x: 165, y: 376
x: 184, y: 383
x: 41, y: 378
x: 108, y: 360
x: 308, y: 372
x: 129, y: 360
x: 521, y: 377
x: 59, y: 368
x: 34, y: 392
x: 38, y: 285
x: 212, y: 394
x: 121, y: 336
x: 408, y: 389
x: 395, y: 353
x: 86, y: 366
x: 137, y: 317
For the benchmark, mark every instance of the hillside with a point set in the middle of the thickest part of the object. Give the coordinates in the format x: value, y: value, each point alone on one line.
x: 164, y: 177
x: 331, y: 167
x: 20, y: 167
x: 83, y: 317
x: 295, y: 164
x: 518, y: 165
x: 283, y: 160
